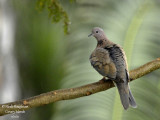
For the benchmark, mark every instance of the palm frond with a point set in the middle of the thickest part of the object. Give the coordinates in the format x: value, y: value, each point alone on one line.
x: 132, y: 24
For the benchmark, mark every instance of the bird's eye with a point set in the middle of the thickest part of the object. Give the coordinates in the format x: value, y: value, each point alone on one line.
x: 96, y: 31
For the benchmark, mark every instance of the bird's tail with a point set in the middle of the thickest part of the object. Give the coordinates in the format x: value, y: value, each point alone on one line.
x: 125, y: 95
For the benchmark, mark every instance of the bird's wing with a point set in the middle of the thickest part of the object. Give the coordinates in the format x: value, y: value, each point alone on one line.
x: 118, y: 56
x: 99, y: 57
x: 102, y: 62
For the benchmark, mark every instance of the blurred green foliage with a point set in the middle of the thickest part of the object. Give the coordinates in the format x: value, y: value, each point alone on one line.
x: 56, y: 11
x: 50, y: 60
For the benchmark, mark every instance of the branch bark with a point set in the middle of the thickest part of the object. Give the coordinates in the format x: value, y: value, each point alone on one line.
x: 72, y: 93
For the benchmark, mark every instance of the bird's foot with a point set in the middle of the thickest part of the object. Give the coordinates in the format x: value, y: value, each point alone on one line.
x: 103, y: 80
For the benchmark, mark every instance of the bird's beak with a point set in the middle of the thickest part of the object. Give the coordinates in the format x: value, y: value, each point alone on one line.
x: 90, y: 35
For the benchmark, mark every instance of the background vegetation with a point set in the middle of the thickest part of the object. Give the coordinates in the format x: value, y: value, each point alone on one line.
x: 49, y: 59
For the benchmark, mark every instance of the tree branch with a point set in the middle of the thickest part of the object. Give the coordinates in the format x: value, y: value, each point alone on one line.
x: 72, y: 93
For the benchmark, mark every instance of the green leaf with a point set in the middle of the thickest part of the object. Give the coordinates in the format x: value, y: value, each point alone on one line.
x: 56, y: 12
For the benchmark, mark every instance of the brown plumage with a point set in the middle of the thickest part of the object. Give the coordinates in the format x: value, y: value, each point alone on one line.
x: 110, y: 61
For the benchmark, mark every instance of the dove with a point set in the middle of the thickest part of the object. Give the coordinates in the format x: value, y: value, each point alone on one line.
x: 109, y: 60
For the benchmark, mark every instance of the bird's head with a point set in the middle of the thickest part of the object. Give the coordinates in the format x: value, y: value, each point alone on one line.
x: 98, y: 33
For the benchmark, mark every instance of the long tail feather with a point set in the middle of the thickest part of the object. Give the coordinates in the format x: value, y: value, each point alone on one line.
x: 132, y: 101
x: 125, y: 95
